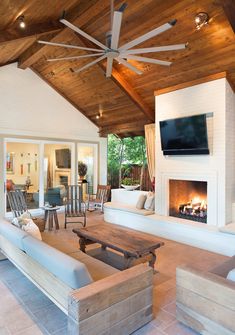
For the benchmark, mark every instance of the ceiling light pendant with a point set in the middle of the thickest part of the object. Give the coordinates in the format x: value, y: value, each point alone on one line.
x: 201, y: 19
x: 21, y: 21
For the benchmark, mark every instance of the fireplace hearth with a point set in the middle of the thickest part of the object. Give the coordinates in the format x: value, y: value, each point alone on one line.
x: 188, y: 200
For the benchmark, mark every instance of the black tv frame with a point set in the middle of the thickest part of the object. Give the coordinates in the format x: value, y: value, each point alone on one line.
x: 185, y: 152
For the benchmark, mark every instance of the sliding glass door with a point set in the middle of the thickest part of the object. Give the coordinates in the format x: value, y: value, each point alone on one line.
x: 87, y: 153
x: 42, y: 169
x: 58, y: 172
x: 22, y: 171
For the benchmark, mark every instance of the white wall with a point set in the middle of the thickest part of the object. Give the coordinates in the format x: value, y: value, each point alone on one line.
x: 30, y: 107
x: 211, y: 97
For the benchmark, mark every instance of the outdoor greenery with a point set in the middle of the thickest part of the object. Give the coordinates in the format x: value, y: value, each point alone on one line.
x: 130, y: 181
x: 122, y: 155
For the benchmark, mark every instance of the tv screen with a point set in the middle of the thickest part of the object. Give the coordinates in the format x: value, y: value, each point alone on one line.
x: 184, y: 136
x: 63, y: 158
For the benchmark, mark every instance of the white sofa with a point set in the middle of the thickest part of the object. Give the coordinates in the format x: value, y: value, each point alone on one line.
x: 97, y: 298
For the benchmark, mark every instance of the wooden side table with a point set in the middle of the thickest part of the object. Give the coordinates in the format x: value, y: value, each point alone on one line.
x: 51, y: 217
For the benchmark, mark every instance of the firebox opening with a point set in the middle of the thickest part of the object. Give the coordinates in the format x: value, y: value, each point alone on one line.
x: 188, y: 199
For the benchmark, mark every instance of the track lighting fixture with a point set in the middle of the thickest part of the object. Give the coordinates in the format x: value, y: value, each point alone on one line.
x: 21, y: 21
x: 201, y: 19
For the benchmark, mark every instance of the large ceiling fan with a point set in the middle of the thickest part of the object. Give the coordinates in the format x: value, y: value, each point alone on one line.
x: 112, y: 51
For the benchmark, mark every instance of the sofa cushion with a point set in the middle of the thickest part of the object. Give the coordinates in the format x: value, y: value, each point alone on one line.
x: 67, y: 269
x: 141, y: 201
x: 96, y: 268
x: 32, y: 229
x: 150, y: 202
x: 14, y: 234
x: 231, y: 275
x: 127, y: 208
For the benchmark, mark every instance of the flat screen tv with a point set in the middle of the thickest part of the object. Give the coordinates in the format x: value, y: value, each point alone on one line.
x: 63, y: 158
x: 184, y: 136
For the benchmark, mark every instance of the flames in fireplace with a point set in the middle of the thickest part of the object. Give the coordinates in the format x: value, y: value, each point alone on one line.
x: 188, y: 200
x: 195, y: 209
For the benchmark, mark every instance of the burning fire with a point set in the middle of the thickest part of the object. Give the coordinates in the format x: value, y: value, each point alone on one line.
x: 197, y: 207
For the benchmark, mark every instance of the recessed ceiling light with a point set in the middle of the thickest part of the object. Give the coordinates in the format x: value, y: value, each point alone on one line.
x: 201, y: 19
x: 21, y: 21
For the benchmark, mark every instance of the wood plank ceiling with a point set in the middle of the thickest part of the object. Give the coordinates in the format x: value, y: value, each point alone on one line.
x: 126, y: 99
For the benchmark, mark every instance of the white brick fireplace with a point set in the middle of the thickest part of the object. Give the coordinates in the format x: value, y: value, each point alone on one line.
x: 216, y: 99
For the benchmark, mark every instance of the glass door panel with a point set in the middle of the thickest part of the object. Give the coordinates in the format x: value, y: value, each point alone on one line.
x: 22, y: 171
x: 87, y: 153
x: 57, y: 172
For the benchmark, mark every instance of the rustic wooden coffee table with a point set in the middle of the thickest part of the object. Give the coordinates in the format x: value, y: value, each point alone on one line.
x: 131, y: 243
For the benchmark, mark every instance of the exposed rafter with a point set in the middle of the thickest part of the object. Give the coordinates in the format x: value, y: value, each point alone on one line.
x: 229, y: 9
x: 88, y: 9
x: 122, y: 128
x: 34, y: 30
x: 124, y: 85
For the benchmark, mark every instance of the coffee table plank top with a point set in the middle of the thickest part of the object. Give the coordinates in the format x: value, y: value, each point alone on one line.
x: 121, y: 239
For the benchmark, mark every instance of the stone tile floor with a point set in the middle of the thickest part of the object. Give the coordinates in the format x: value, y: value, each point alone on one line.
x: 24, y: 310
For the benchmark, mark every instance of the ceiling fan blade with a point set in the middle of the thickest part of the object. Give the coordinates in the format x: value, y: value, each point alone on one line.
x: 90, y: 64
x: 148, y: 35
x: 117, y: 21
x: 109, y: 67
x: 74, y: 57
x: 148, y: 60
x: 154, y: 49
x: 82, y: 33
x: 68, y: 46
x: 131, y: 67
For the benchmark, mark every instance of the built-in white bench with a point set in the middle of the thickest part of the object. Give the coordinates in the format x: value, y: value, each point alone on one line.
x: 125, y: 201
x: 185, y: 231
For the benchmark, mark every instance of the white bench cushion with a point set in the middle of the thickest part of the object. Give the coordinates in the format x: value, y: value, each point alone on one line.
x: 127, y: 208
x: 66, y: 268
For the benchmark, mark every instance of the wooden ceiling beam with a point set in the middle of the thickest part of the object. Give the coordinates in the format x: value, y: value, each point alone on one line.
x: 118, y: 79
x: 122, y: 128
x: 131, y: 93
x: 229, y: 9
x: 88, y: 9
x: 35, y: 30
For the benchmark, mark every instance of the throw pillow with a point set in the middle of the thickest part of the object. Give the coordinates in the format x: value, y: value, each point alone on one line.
x: 141, y: 201
x: 31, y: 228
x: 231, y: 275
x: 150, y: 202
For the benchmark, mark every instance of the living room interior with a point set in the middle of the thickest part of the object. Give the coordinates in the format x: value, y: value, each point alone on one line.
x: 80, y: 254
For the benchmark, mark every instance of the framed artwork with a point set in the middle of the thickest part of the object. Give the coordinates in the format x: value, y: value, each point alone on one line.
x: 10, y: 164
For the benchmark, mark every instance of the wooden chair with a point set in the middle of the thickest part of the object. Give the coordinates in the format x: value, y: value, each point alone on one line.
x: 97, y: 200
x: 18, y: 206
x: 74, y: 205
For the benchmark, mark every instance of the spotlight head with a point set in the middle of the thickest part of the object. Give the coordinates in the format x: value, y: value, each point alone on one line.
x: 201, y: 19
x: 22, y: 24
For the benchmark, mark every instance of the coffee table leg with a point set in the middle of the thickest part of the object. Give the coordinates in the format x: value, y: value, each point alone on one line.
x: 153, y: 260
x: 127, y: 261
x: 82, y: 243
